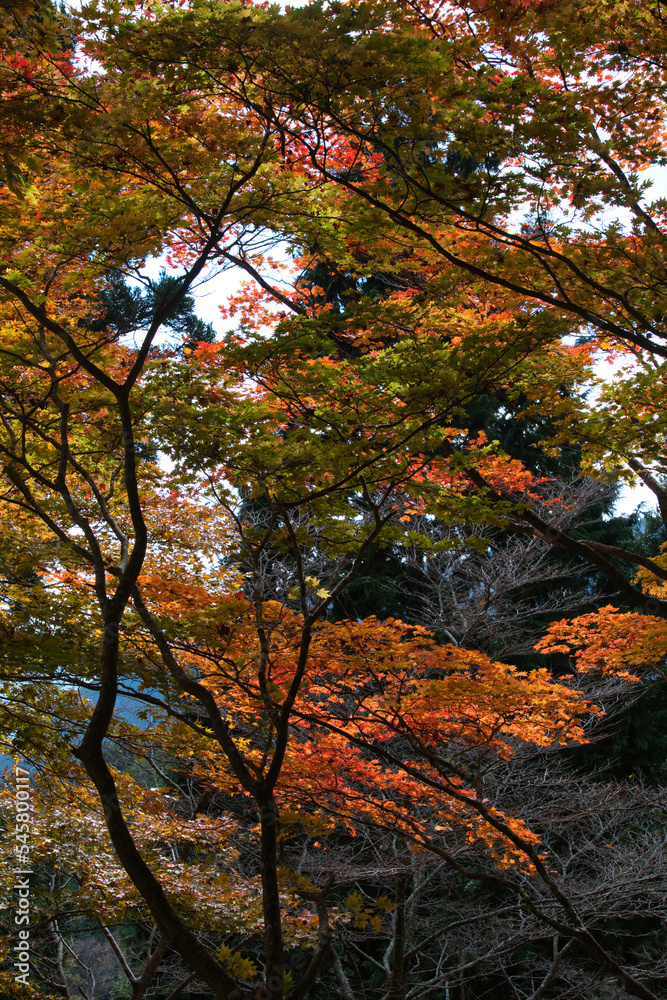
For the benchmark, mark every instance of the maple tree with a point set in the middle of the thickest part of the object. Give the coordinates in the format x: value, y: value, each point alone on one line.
x: 391, y: 147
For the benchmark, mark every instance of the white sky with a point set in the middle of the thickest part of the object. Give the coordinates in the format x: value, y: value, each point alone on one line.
x: 214, y: 293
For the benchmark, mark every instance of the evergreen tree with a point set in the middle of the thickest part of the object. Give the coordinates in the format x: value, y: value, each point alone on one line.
x: 126, y: 309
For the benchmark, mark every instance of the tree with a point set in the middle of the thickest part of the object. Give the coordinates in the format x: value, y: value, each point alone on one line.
x: 126, y: 309
x: 342, y: 429
x: 429, y: 163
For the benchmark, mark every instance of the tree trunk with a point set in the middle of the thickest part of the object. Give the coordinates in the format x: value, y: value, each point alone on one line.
x: 273, y: 935
x: 397, y: 982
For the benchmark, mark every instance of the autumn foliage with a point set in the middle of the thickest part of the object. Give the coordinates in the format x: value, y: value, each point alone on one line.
x: 223, y: 754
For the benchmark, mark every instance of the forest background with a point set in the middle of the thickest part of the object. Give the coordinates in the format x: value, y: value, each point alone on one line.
x: 333, y: 669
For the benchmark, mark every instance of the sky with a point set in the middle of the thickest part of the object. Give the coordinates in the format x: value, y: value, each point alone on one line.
x: 214, y: 293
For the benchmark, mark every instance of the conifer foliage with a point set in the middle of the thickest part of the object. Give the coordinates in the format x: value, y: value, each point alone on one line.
x: 254, y: 773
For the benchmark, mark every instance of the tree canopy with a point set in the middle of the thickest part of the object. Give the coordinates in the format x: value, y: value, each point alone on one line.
x: 352, y: 565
